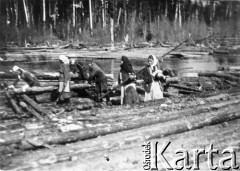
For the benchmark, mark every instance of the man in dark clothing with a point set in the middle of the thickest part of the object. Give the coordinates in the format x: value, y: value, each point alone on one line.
x: 26, y: 76
x: 98, y: 76
x: 167, y: 71
x: 80, y: 69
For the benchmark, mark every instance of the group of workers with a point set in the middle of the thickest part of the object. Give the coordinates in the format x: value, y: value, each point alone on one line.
x: 152, y: 75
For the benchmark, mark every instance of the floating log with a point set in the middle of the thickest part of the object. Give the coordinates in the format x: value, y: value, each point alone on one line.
x: 33, y: 112
x: 220, y: 75
x: 235, y: 68
x: 218, y: 51
x: 33, y: 104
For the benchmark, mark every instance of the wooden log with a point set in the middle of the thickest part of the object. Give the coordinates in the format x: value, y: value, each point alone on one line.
x: 218, y: 51
x: 49, y: 97
x: 169, y: 80
x: 222, y: 136
x: 172, y: 80
x: 236, y: 74
x: 43, y: 98
x: 85, y: 106
x: 220, y: 75
x: 140, y: 119
x: 180, y: 125
x: 33, y: 104
x: 36, y: 90
x: 33, y: 112
x: 184, y: 87
x: 234, y: 68
x: 14, y: 105
x: 141, y: 90
x: 187, y: 92
x: 47, y: 76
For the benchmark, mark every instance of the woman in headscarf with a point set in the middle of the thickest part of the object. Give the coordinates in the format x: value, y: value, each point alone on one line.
x: 64, y: 79
x: 152, y: 76
x: 128, y: 89
x: 97, y: 75
x: 26, y: 76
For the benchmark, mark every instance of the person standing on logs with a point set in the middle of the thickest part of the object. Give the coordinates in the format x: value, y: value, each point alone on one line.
x: 80, y: 69
x: 97, y: 75
x: 26, y: 76
x: 64, y: 80
x: 152, y: 77
x: 126, y: 77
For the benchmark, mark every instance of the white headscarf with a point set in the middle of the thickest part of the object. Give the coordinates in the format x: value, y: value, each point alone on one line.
x: 64, y: 59
x: 15, y: 68
x: 155, y: 61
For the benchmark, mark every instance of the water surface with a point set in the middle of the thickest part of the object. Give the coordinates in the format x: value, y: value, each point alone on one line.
x: 200, y: 64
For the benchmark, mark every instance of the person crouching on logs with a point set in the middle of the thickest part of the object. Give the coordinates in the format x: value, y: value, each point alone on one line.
x: 152, y: 77
x: 127, y: 76
x: 97, y: 75
x: 167, y: 71
x: 26, y: 76
x: 64, y: 80
x: 80, y: 69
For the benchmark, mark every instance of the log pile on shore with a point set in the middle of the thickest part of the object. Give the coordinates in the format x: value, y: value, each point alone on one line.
x: 111, y: 128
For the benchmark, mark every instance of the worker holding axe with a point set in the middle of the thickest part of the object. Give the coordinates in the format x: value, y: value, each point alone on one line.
x: 64, y: 81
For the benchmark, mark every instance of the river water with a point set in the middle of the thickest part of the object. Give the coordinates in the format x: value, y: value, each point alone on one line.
x: 200, y: 64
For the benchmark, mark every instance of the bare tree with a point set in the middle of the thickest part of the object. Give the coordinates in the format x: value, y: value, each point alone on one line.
x: 26, y: 13
x: 90, y: 17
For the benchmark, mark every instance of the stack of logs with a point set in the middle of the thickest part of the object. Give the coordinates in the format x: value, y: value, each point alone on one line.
x: 43, y: 94
x: 216, y: 110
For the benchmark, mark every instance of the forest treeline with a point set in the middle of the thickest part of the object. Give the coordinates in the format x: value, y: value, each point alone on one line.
x: 106, y: 21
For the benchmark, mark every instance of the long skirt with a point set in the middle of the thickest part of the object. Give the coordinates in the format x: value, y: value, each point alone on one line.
x: 155, y: 91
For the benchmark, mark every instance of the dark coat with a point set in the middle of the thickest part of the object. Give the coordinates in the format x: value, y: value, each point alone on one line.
x: 98, y: 76
x: 126, y: 70
x: 29, y: 78
x: 145, y: 75
x: 81, y: 70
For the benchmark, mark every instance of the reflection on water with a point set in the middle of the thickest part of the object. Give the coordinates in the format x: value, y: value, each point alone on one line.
x: 205, y: 63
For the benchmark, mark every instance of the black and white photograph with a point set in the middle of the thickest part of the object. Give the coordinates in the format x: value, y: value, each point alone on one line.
x: 119, y: 85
